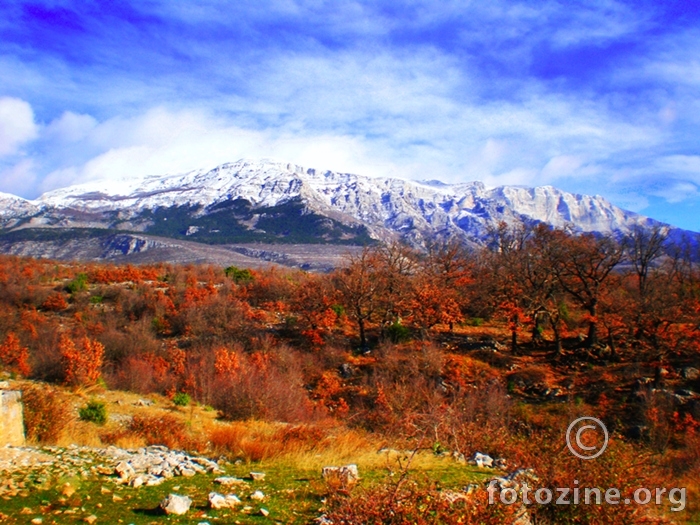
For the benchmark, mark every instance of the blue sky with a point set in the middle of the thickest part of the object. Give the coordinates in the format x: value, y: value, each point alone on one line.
x: 592, y: 97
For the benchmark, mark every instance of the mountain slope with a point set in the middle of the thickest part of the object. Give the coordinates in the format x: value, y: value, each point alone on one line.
x: 273, y: 202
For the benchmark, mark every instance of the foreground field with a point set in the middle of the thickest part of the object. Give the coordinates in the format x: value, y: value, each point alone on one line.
x: 78, y: 483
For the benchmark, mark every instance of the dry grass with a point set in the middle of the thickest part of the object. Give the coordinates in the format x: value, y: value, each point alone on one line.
x: 257, y: 441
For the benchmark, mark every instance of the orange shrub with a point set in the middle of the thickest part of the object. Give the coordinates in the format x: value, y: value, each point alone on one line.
x: 46, y: 415
x: 15, y: 356
x: 165, y: 430
x: 55, y: 302
x: 83, y: 365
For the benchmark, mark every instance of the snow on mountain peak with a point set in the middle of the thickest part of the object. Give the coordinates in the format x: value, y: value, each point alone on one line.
x: 386, y: 206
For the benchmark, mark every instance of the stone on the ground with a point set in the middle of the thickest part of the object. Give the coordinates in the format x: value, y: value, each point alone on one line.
x: 124, y: 470
x: 481, y: 460
x: 90, y: 519
x: 452, y: 496
x: 264, y: 512
x: 257, y: 476
x: 221, y: 501
x: 176, y: 504
x: 137, y: 482
x: 257, y: 495
x: 228, y: 481
x: 346, y: 476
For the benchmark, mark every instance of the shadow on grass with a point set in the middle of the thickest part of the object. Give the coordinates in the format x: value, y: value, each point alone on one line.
x: 149, y: 512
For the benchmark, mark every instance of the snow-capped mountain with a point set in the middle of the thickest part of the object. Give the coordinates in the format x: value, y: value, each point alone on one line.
x: 266, y: 201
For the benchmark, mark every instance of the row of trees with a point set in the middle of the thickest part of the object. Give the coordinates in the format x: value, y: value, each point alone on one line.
x: 640, y: 290
x: 639, y: 293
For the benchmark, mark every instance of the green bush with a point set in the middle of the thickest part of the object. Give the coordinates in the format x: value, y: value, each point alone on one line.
x: 398, y: 333
x: 78, y: 284
x: 94, y: 411
x: 181, y: 399
x: 239, y: 276
x: 339, y: 309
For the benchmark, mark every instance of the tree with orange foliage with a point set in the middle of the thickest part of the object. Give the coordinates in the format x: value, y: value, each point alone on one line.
x: 226, y: 362
x: 431, y: 305
x: 441, y: 286
x: 82, y: 365
x: 362, y: 287
x: 583, y: 265
x: 14, y: 356
x: 313, y: 303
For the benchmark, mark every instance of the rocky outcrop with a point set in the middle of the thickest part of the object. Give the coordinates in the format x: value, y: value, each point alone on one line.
x: 11, y: 418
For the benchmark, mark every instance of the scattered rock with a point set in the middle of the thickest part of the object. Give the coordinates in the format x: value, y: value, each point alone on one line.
x: 452, y: 496
x: 257, y: 476
x: 481, y: 460
x: 90, y: 519
x: 124, y: 470
x: 228, y: 481
x: 264, y: 512
x: 469, y: 489
x: 346, y: 476
x: 38, y: 521
x: 221, y: 501
x: 175, y: 504
x: 137, y: 482
x: 515, y: 479
x: 346, y: 371
x: 257, y: 495
x: 68, y: 490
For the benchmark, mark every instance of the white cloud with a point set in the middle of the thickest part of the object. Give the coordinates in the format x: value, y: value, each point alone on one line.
x: 19, y: 178
x: 560, y: 166
x: 678, y: 192
x: 163, y: 141
x: 685, y: 164
x: 70, y: 127
x: 16, y: 125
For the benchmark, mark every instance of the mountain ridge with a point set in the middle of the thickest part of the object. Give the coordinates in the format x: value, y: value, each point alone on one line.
x: 277, y: 202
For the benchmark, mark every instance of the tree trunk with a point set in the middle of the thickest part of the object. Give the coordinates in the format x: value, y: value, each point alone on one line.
x: 363, y: 337
x: 557, y: 340
x: 536, y: 330
x: 593, y: 326
x: 611, y: 344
